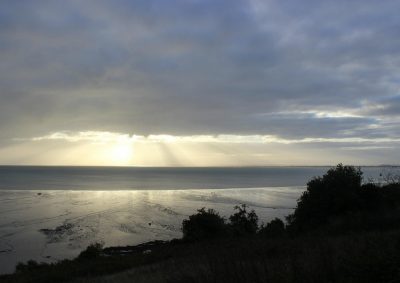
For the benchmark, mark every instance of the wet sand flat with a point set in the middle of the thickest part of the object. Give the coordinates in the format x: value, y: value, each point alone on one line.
x: 51, y: 225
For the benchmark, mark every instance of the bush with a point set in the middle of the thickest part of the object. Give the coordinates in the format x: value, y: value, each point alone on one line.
x: 274, y: 228
x: 205, y: 224
x: 336, y: 193
x: 244, y: 222
x: 31, y: 265
x: 92, y: 251
x: 339, y: 201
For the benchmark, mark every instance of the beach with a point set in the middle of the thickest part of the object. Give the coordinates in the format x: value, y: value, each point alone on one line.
x: 47, y: 226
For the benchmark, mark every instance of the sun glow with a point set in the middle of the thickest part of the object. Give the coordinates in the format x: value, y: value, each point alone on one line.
x: 120, y: 149
x: 121, y: 153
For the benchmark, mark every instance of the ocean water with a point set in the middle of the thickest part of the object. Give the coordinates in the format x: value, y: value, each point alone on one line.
x: 143, y: 178
x: 53, y: 213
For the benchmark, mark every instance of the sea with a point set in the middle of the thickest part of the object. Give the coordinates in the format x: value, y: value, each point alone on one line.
x: 50, y: 213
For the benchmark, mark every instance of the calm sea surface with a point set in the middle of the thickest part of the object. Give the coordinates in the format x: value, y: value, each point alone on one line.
x: 134, y: 178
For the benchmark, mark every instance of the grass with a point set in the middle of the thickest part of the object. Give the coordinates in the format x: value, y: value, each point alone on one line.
x: 354, y: 257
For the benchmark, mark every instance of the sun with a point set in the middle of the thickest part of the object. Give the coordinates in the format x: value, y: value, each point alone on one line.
x: 121, y: 153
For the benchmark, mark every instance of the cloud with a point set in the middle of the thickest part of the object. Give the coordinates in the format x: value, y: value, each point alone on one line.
x: 313, y: 70
x: 110, y: 137
x: 108, y: 148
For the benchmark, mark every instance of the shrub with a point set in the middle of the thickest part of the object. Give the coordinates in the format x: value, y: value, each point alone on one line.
x: 274, y: 228
x: 335, y: 193
x: 92, y: 251
x: 244, y: 222
x: 31, y: 265
x: 204, y: 224
x: 339, y: 201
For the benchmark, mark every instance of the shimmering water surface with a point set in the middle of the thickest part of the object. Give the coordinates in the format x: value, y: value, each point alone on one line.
x: 127, y: 178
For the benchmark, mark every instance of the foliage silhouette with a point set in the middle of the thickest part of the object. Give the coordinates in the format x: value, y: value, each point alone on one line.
x: 243, y: 222
x: 333, y: 194
x: 29, y: 266
x: 205, y: 224
x: 92, y: 251
x: 274, y: 228
x: 339, y: 201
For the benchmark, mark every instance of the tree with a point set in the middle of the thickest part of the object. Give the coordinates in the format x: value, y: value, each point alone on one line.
x: 274, y: 228
x: 335, y: 193
x: 244, y: 222
x: 205, y: 224
x: 92, y: 251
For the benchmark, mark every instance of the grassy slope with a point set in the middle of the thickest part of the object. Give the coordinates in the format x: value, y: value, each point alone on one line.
x: 359, y: 257
x: 369, y: 257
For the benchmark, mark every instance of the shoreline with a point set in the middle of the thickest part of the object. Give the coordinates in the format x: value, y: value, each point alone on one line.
x: 78, y: 218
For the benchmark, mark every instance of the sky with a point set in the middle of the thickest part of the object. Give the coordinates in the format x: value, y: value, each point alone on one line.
x: 199, y: 82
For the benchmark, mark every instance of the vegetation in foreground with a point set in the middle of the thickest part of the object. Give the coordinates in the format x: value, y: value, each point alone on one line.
x: 341, y: 231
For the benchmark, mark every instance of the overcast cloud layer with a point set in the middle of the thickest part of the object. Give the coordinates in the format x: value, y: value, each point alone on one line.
x: 293, y: 70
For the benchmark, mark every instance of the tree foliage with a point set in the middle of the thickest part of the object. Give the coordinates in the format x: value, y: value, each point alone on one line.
x: 334, y: 202
x: 243, y: 221
x: 274, y: 228
x: 335, y: 193
x: 204, y: 224
x: 92, y: 251
x: 341, y: 201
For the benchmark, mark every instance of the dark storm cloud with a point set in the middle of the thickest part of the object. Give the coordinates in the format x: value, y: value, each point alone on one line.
x: 199, y: 67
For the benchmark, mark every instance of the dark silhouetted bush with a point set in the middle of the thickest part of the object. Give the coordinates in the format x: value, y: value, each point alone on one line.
x: 31, y: 265
x: 391, y: 196
x: 335, y: 193
x: 205, y: 224
x: 339, y: 201
x: 92, y: 251
x: 243, y: 222
x: 274, y: 228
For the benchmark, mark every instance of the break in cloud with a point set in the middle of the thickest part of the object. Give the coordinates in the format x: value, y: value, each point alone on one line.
x: 319, y: 77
